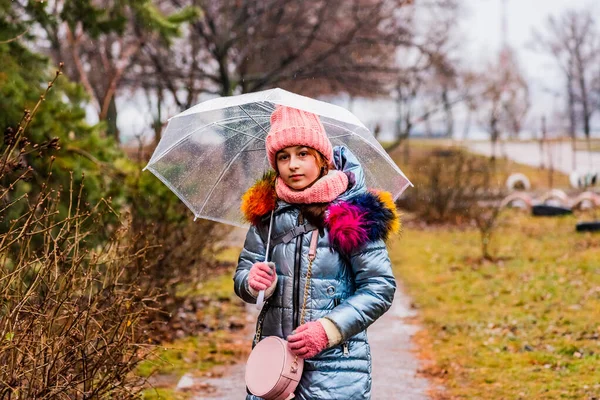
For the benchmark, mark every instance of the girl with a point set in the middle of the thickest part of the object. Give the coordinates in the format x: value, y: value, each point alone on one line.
x: 317, y: 187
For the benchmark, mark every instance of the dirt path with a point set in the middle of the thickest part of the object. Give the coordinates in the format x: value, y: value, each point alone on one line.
x: 394, y: 364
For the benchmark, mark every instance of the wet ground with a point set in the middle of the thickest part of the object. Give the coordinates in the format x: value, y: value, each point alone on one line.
x: 394, y: 363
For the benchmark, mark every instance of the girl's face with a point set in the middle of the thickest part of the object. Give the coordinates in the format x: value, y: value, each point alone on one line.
x: 297, y: 167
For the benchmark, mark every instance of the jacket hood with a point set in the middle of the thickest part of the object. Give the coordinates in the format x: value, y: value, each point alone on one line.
x: 357, y: 216
x: 345, y: 161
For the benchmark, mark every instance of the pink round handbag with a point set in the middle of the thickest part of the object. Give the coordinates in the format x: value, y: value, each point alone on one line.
x: 272, y: 370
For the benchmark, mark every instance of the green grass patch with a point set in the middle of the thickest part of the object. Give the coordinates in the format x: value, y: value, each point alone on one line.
x: 219, y: 287
x: 228, y: 254
x: 193, y: 354
x: 526, y: 326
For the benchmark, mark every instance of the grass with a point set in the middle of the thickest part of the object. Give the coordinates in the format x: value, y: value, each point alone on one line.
x: 526, y: 326
x: 194, y: 354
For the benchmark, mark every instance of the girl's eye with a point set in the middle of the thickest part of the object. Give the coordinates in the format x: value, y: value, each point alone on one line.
x: 283, y: 157
x: 303, y: 153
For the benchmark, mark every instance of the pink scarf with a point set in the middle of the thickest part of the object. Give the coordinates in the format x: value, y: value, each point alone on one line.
x: 324, y: 190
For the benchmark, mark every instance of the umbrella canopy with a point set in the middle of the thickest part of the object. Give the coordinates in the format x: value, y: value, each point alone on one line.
x: 210, y: 154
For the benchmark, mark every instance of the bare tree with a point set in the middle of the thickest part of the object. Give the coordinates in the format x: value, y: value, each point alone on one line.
x: 253, y: 45
x: 516, y: 103
x: 426, y: 86
x: 573, y: 40
x: 468, y: 82
x: 504, y: 100
x: 312, y: 47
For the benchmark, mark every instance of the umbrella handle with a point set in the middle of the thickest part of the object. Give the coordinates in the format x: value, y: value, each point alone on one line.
x: 260, y: 299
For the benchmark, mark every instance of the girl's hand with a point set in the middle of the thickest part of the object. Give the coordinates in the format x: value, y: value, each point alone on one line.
x: 308, y: 340
x: 262, y: 275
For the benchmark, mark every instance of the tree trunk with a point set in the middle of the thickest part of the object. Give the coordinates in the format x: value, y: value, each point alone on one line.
x: 157, y: 124
x: 449, y: 114
x: 494, y: 135
x: 584, y: 95
x: 485, y: 240
x: 467, y: 127
x: 111, y: 121
x: 542, y: 142
x: 428, y: 129
x: 226, y: 84
x: 572, y: 116
x: 406, y: 154
x: 574, y: 152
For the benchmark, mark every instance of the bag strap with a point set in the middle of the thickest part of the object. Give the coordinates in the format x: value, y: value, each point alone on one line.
x: 312, y: 253
x: 259, y: 323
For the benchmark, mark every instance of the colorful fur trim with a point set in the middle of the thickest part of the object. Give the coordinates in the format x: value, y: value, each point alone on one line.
x: 346, y: 225
x: 365, y: 218
x: 392, y: 221
x: 260, y: 199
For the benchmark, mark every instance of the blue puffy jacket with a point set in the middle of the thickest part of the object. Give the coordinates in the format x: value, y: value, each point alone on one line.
x: 350, y: 289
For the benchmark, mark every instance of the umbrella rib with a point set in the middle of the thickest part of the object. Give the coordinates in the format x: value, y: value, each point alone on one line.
x: 256, y: 122
x: 223, y: 173
x: 339, y: 136
x: 241, y: 132
x: 265, y: 107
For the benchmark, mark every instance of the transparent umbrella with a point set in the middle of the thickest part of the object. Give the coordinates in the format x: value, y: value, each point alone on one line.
x: 210, y: 154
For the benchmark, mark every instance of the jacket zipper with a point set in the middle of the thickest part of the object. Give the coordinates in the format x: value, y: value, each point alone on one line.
x: 345, y: 349
x: 297, y: 264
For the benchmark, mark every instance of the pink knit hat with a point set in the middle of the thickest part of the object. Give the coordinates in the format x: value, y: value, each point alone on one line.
x: 293, y: 127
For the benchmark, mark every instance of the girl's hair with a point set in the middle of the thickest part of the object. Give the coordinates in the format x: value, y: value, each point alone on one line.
x: 321, y: 161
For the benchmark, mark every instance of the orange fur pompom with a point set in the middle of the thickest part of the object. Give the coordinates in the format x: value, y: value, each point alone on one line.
x: 260, y: 199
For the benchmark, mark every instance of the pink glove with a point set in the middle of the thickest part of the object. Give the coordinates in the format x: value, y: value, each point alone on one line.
x: 261, y: 276
x: 308, y: 340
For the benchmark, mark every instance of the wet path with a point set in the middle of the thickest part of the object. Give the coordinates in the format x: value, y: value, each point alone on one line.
x: 394, y: 364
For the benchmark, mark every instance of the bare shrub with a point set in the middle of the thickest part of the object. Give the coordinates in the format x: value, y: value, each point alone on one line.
x: 485, y: 216
x: 450, y: 181
x: 456, y: 187
x: 180, y: 252
x: 70, y: 316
